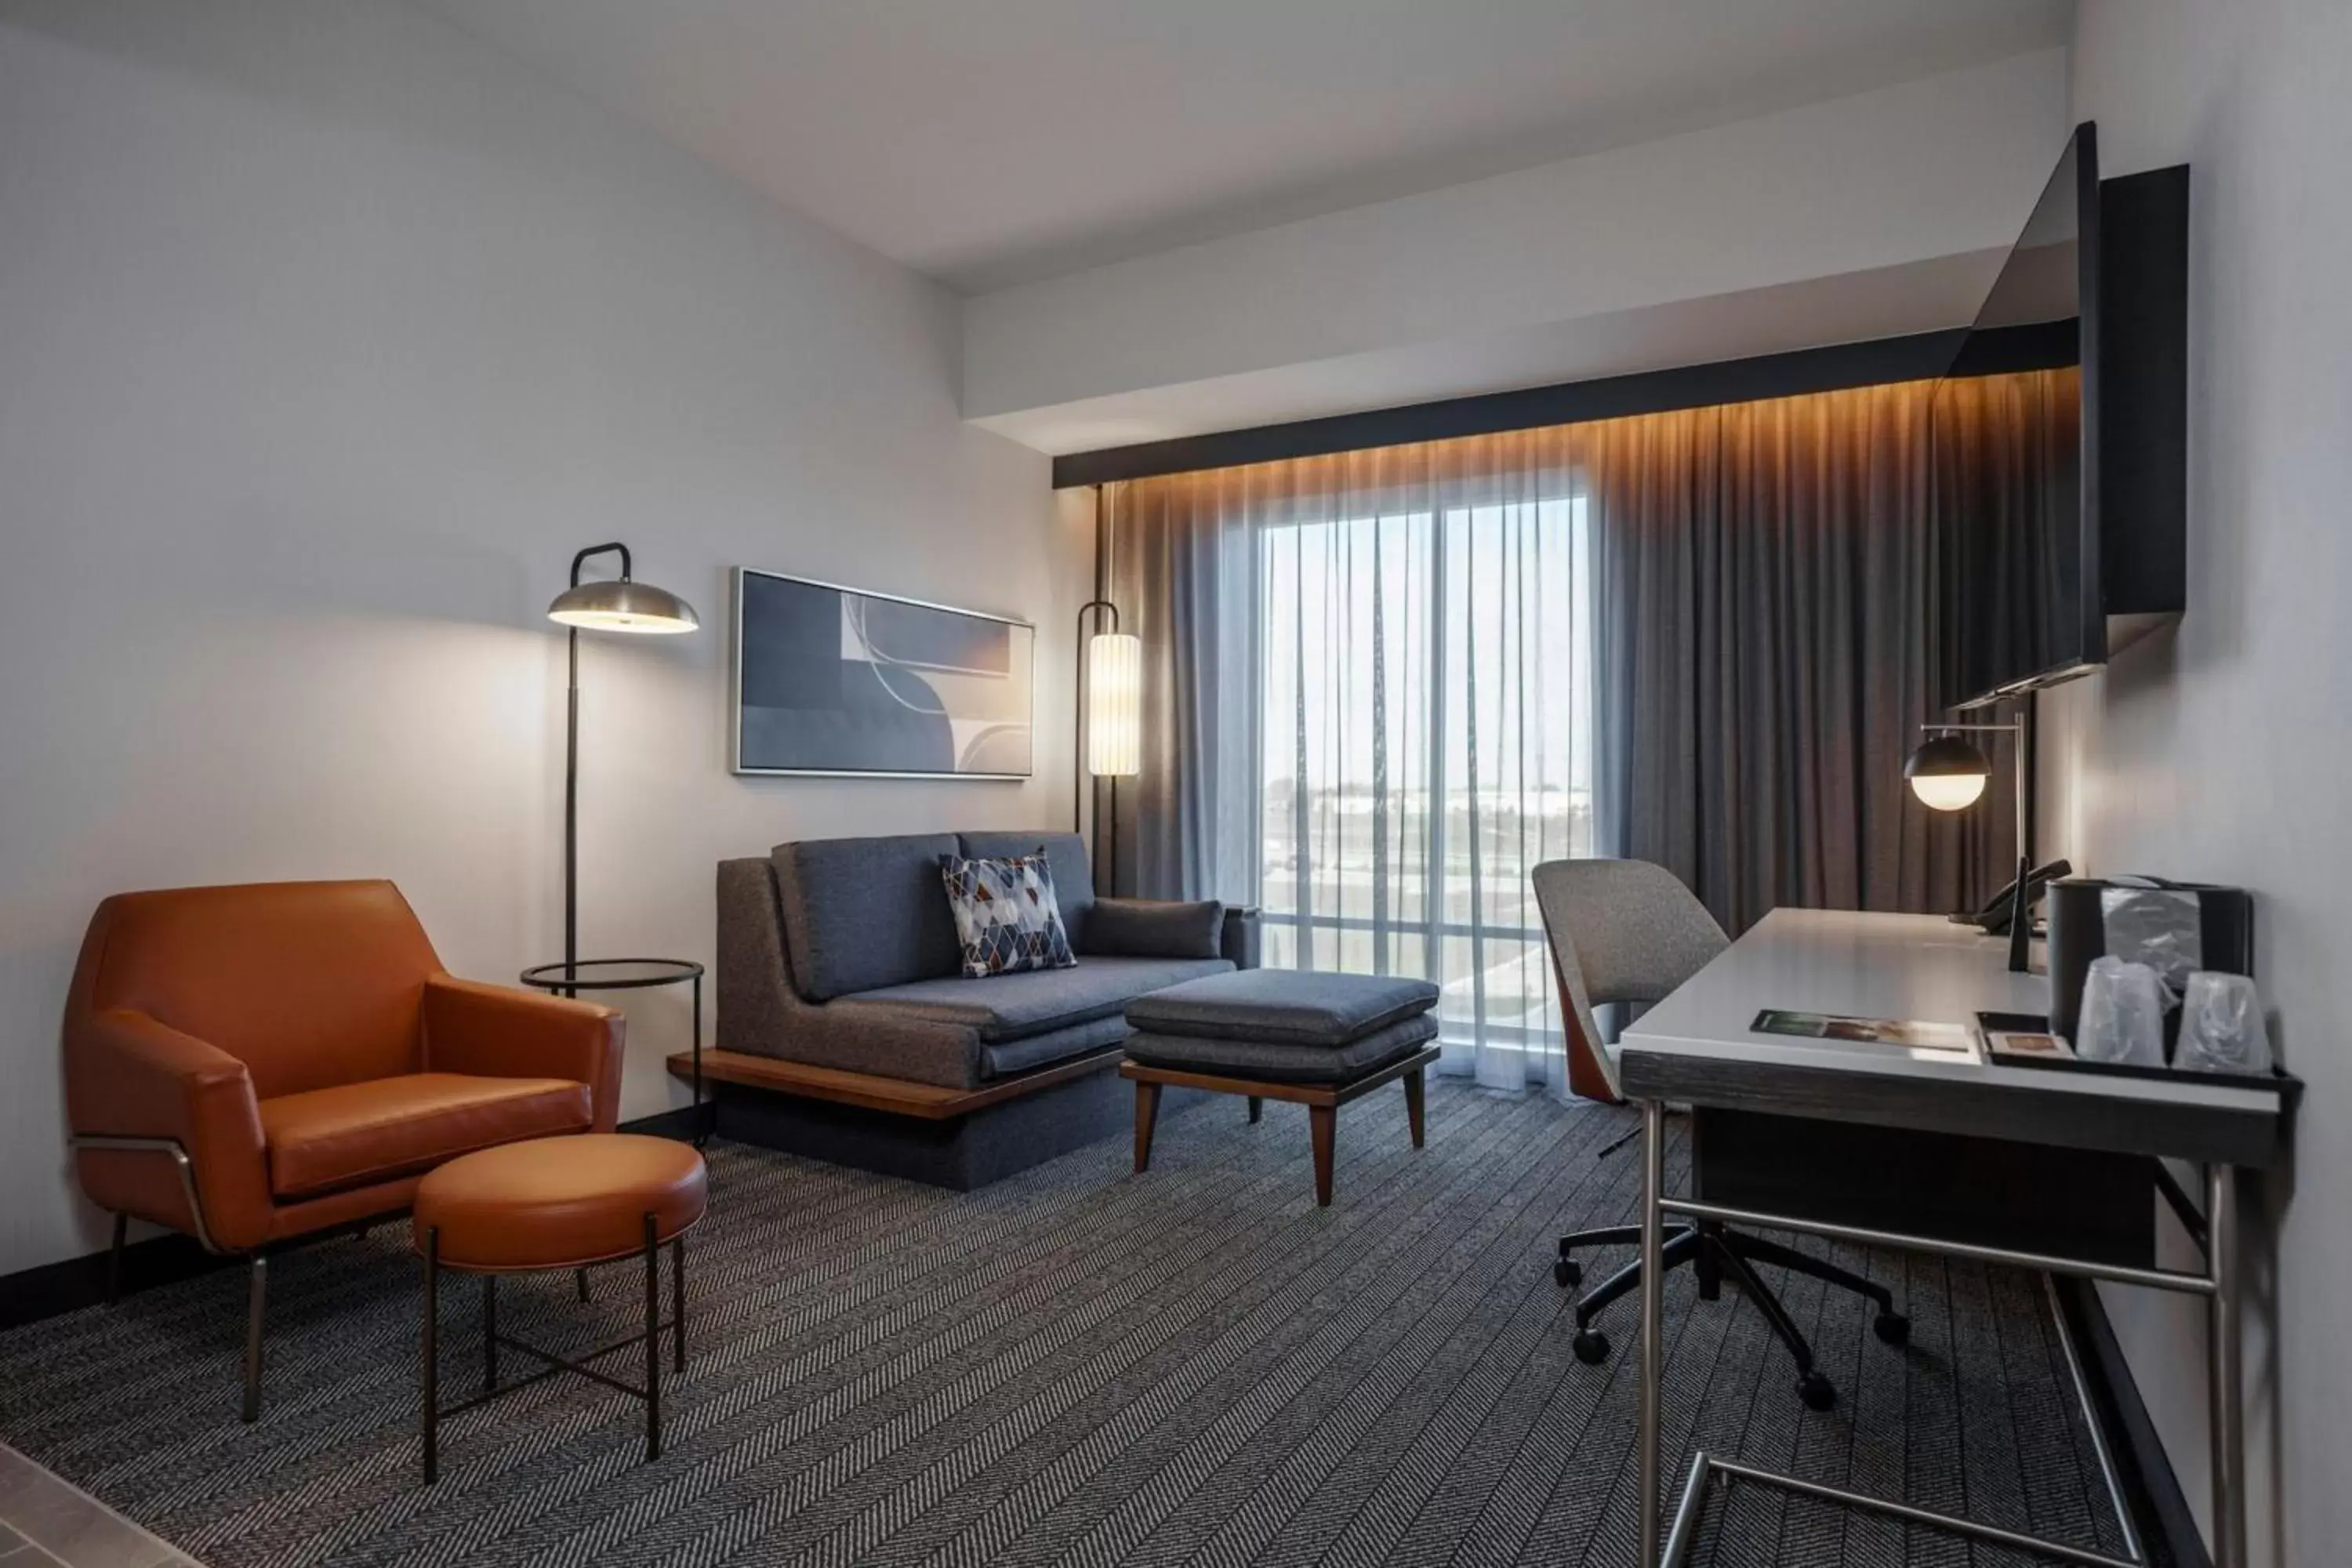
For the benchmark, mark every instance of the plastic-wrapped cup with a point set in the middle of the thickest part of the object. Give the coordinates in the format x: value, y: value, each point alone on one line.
x: 2123, y: 1013
x: 2222, y: 1027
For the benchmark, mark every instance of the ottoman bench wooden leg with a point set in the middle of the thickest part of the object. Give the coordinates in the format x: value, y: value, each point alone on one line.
x: 1322, y: 1102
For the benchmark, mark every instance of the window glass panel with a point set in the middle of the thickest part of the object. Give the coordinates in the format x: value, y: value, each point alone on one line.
x: 1424, y: 742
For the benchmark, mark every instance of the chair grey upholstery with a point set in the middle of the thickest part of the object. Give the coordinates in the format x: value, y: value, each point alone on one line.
x: 1621, y: 930
x: 1627, y: 930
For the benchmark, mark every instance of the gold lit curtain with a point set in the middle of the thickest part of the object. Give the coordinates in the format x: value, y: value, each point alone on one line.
x: 1381, y: 686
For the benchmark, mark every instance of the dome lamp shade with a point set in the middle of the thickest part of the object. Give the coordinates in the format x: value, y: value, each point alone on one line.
x: 1947, y: 772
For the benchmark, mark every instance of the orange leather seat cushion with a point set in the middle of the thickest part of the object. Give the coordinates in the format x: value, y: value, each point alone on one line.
x: 559, y: 1203
x: 354, y: 1133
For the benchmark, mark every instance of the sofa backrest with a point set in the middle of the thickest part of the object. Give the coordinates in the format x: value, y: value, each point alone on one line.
x: 1074, y: 874
x: 863, y: 912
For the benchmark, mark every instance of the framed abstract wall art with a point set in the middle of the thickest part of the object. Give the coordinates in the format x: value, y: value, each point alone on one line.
x: 839, y: 681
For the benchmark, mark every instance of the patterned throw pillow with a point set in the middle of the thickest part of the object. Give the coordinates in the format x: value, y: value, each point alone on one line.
x: 1006, y: 914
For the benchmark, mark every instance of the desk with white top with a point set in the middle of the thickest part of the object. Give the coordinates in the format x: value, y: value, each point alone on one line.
x: 1698, y: 1047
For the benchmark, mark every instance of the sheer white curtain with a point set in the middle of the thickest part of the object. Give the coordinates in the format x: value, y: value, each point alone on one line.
x: 1416, y: 731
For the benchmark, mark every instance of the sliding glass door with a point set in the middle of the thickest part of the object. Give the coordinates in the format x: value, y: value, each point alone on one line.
x: 1424, y: 737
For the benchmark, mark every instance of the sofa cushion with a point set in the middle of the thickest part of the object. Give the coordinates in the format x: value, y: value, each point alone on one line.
x: 355, y: 1133
x: 1030, y: 1052
x: 863, y: 912
x: 1074, y: 870
x: 1005, y: 914
x: 1286, y: 1064
x: 1157, y: 928
x: 1283, y: 1006
x: 1014, y: 1006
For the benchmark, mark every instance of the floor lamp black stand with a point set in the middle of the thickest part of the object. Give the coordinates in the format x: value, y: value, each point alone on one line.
x: 620, y: 605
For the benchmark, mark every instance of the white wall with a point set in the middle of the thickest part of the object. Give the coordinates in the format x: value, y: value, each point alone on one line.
x: 326, y: 335
x: 2222, y: 753
x: 1892, y: 179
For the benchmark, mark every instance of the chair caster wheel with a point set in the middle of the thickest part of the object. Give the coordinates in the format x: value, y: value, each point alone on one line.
x: 1567, y: 1273
x: 1892, y: 1328
x: 1815, y: 1391
x: 1590, y: 1345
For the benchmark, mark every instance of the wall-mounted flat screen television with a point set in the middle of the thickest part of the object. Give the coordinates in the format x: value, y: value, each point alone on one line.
x: 839, y: 681
x: 2059, y: 439
x: 2014, y: 457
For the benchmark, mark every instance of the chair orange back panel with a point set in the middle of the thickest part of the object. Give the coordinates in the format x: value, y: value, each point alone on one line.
x: 309, y: 984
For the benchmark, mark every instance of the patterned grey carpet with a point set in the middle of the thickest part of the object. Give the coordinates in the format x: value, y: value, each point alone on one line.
x: 1076, y: 1366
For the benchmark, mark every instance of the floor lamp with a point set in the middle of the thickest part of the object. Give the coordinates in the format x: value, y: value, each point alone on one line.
x: 620, y: 605
x: 1109, y: 716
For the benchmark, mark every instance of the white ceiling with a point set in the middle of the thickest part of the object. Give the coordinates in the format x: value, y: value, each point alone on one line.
x: 992, y: 142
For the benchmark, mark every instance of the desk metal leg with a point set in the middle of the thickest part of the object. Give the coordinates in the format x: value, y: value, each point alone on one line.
x: 2220, y: 1283
x: 2223, y: 1353
x: 1654, y: 1173
x: 2115, y: 1499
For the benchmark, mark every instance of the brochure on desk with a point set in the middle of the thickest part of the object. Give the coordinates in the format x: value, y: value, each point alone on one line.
x: 1899, y: 1033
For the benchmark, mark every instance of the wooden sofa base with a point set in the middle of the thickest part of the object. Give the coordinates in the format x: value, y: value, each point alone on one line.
x: 960, y: 1139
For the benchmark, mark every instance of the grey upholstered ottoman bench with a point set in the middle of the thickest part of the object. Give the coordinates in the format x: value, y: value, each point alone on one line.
x: 1313, y: 1039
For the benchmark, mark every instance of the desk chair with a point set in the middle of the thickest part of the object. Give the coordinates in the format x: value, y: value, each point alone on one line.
x: 1628, y: 932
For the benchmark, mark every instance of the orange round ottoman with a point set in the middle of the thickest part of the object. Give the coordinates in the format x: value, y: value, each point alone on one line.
x: 559, y: 1203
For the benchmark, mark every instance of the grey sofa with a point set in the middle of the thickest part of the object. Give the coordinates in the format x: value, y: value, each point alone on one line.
x: 841, y: 956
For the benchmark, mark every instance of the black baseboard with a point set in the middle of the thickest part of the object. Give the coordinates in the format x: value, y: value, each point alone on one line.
x: 680, y: 1122
x: 2151, y: 1489
x: 70, y: 1284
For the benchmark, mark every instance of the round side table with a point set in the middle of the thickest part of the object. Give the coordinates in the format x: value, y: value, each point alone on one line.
x: 631, y: 974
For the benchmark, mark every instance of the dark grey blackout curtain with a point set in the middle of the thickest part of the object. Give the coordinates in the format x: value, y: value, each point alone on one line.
x: 1763, y: 642
x: 1180, y: 564
x: 1766, y: 622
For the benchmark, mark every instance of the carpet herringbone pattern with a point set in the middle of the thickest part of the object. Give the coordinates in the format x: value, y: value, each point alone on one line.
x: 1077, y: 1366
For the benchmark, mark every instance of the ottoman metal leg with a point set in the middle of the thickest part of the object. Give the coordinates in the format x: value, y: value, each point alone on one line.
x: 489, y: 1333
x: 1324, y: 1120
x: 678, y: 1298
x: 1415, y: 1103
x: 1147, y: 1111
x: 431, y: 1393
x: 653, y: 1342
x: 1257, y: 1108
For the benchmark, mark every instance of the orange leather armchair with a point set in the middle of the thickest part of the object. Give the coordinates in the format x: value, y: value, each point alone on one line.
x: 252, y: 1064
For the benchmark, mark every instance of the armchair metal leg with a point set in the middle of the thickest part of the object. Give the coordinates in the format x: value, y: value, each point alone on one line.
x: 114, y: 1260
x: 257, y: 1302
x: 582, y: 1275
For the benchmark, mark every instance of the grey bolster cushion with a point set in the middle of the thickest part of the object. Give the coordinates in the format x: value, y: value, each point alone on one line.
x: 1155, y: 928
x: 1244, y: 937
